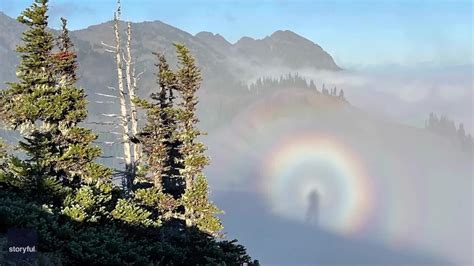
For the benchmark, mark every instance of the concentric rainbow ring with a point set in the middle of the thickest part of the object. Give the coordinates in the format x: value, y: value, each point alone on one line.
x: 346, y: 191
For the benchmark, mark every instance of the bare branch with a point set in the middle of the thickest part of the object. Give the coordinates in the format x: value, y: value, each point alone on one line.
x: 107, y: 45
x: 111, y: 115
x: 107, y: 157
x: 105, y: 95
x: 139, y: 75
x: 102, y: 123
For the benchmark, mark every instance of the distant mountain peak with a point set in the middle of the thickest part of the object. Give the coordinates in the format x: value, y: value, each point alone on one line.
x: 215, y: 38
x: 245, y: 40
x: 208, y: 34
x: 284, y: 33
x: 286, y: 49
x: 288, y: 35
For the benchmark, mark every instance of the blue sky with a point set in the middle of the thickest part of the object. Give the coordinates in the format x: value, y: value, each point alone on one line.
x: 359, y: 34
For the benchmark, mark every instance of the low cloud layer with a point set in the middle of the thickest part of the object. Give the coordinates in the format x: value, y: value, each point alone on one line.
x: 406, y: 95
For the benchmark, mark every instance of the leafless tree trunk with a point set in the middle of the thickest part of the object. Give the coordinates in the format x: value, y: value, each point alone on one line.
x: 132, y: 86
x: 123, y: 103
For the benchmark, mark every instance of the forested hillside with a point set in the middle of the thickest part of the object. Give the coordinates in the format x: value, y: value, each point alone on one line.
x: 161, y: 214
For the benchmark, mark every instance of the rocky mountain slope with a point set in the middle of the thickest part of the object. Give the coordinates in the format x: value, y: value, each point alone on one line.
x: 216, y: 56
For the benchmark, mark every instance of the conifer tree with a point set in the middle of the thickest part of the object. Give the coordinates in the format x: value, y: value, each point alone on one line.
x: 65, y: 62
x: 312, y: 86
x: 341, y: 94
x: 26, y: 105
x: 47, y: 106
x: 174, y: 157
x: 18, y: 105
x: 157, y: 137
x: 160, y: 148
x: 199, y: 211
x: 94, y: 186
x: 324, y: 90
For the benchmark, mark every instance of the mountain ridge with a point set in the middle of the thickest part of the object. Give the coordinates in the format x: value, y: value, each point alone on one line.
x: 223, y: 65
x: 213, y: 51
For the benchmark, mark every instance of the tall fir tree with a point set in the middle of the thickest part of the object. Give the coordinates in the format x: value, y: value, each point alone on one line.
x: 160, y: 149
x: 158, y: 134
x: 199, y: 210
x: 19, y: 107
x: 341, y: 95
x: 26, y: 105
x: 174, y: 158
x: 65, y: 59
x: 93, y: 181
x: 47, y: 107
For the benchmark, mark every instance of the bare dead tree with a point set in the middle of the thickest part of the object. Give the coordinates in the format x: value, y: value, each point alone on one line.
x: 128, y: 117
x: 132, y: 87
x: 123, y: 103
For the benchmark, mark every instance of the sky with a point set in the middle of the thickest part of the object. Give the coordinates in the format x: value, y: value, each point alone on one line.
x: 359, y: 34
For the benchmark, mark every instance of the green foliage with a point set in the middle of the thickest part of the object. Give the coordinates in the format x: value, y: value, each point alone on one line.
x: 174, y: 158
x: 76, y: 212
x: 129, y: 212
x: 89, y: 203
x: 153, y: 197
x: 23, y: 102
x: 47, y: 106
x: 158, y: 135
x: 114, y: 243
x: 199, y: 211
x: 14, y: 173
x: 65, y: 60
x: 203, y: 212
x: 69, y: 199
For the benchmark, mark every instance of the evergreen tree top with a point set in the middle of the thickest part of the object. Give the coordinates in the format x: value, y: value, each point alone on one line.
x: 37, y: 41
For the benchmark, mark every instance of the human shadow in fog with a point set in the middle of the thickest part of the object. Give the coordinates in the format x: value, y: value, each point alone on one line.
x: 312, y: 213
x: 279, y: 241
